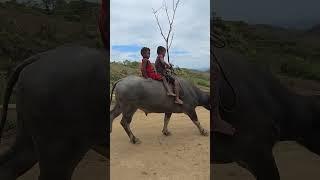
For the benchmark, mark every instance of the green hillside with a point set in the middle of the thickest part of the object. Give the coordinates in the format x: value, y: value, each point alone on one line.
x: 289, y: 52
x: 26, y: 30
x: 125, y: 68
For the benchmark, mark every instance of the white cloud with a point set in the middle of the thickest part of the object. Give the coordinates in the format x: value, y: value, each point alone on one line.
x: 132, y: 22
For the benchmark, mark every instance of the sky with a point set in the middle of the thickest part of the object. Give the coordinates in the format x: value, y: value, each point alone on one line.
x: 300, y: 14
x: 133, y: 26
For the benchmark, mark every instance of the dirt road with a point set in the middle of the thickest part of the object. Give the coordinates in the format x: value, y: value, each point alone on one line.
x: 182, y: 156
x: 294, y: 163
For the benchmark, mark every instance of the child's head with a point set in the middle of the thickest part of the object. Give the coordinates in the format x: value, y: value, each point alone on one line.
x: 161, y: 50
x: 145, y: 52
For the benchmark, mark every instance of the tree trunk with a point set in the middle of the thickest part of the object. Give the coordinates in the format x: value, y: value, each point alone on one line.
x: 168, y: 54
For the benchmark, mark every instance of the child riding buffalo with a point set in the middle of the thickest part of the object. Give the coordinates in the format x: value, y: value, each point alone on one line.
x: 162, y: 68
x: 148, y: 71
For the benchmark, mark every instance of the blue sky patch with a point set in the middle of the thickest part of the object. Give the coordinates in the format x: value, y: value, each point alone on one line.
x: 137, y: 48
x: 135, y: 28
x: 179, y: 52
x: 127, y: 48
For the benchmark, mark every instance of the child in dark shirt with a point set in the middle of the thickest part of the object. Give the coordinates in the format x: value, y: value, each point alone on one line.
x: 161, y: 67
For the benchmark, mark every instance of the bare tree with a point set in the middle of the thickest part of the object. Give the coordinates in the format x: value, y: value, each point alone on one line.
x: 169, y: 36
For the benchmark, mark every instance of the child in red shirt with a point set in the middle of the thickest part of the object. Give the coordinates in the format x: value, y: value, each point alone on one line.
x: 148, y: 71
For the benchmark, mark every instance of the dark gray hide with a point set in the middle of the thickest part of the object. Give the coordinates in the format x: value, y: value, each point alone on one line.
x: 62, y: 112
x: 267, y: 112
x: 150, y: 96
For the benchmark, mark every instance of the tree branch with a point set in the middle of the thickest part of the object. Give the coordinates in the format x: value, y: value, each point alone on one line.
x: 170, y: 21
x: 157, y: 9
x: 173, y: 16
x: 166, y: 8
x: 171, y: 40
x: 174, y: 11
x: 155, y: 15
x: 172, y: 5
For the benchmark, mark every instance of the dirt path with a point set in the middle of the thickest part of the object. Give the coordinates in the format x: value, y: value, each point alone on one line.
x: 294, y: 163
x: 182, y: 156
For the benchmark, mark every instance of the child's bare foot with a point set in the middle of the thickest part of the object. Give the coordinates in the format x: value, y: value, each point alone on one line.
x: 178, y: 101
x: 171, y: 94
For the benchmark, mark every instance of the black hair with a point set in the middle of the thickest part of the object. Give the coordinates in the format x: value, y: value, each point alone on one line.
x: 143, y: 50
x: 160, y: 49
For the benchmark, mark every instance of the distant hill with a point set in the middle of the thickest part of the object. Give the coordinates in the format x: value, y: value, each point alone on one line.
x: 201, y: 70
x: 120, y: 70
x: 315, y: 29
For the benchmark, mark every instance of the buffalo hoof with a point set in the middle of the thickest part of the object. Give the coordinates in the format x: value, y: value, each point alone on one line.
x: 204, y: 132
x: 166, y: 133
x: 135, y: 140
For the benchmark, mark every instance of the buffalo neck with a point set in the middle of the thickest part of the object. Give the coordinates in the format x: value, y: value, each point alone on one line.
x: 203, y: 98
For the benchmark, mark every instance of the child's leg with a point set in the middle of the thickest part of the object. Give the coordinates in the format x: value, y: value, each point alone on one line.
x: 166, y: 85
x: 177, y: 91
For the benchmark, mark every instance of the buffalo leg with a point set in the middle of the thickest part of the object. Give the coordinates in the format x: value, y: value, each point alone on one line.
x: 165, y: 125
x: 21, y: 156
x: 58, y: 157
x: 262, y: 165
x: 115, y: 112
x: 125, y: 122
x: 193, y: 116
x: 18, y: 159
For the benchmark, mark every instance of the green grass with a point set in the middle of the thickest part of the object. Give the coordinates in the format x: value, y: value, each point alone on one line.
x: 120, y: 70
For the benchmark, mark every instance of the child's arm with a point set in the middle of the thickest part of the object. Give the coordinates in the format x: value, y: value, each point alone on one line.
x: 144, y: 69
x: 163, y: 62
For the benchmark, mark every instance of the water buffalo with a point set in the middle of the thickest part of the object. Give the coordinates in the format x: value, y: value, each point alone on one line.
x: 266, y: 112
x: 61, y: 101
x: 150, y: 96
